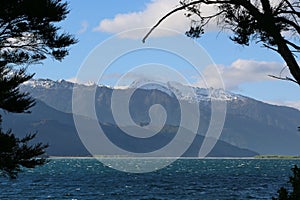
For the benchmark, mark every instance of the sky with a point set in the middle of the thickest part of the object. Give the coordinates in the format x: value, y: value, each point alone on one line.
x: 98, y: 24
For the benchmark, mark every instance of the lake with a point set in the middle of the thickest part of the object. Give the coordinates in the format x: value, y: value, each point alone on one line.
x: 86, y: 178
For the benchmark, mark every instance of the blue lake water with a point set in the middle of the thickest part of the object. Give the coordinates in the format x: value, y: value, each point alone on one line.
x: 184, y: 179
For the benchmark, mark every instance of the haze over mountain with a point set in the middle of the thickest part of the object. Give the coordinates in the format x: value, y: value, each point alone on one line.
x: 250, y: 126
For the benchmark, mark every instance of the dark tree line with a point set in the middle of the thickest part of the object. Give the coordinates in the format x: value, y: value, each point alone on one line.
x: 28, y: 35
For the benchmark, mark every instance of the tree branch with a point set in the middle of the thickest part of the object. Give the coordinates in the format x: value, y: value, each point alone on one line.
x: 269, y: 47
x: 293, y: 45
x: 290, y: 6
x: 291, y: 23
x: 283, y: 78
x: 289, y: 12
x: 178, y: 9
x: 265, y: 23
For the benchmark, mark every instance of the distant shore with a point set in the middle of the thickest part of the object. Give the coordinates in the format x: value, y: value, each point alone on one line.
x: 276, y: 157
x: 129, y: 157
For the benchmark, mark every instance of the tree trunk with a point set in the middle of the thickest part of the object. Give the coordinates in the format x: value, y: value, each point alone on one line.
x: 290, y: 60
x: 283, y: 48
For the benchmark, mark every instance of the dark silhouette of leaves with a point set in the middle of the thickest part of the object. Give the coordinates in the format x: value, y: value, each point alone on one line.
x: 28, y: 35
x: 283, y: 193
x: 274, y: 26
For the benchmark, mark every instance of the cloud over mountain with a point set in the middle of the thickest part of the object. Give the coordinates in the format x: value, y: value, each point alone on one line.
x: 154, y: 11
x: 243, y: 71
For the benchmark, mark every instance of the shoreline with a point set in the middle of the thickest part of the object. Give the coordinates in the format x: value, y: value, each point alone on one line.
x: 259, y: 157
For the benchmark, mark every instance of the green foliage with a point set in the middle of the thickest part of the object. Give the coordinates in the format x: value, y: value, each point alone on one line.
x: 246, y: 21
x: 28, y: 35
x: 274, y: 24
x: 16, y: 153
x: 11, y: 99
x: 283, y: 193
x: 276, y: 157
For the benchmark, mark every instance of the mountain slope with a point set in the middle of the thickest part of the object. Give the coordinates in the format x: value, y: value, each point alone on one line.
x: 250, y: 124
x: 58, y: 130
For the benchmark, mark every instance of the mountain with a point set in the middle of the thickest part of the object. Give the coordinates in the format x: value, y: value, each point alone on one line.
x: 53, y: 127
x: 58, y: 130
x: 250, y: 124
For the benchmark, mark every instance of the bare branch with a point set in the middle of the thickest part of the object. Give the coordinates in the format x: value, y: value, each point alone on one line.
x: 283, y: 78
x: 166, y: 16
x: 269, y: 47
x: 290, y: 6
x: 277, y: 10
x: 291, y: 23
x: 256, y: 21
x: 289, y: 12
x: 178, y: 9
x: 293, y: 45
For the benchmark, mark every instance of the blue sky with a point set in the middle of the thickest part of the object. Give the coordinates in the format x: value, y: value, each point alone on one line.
x: 244, y: 70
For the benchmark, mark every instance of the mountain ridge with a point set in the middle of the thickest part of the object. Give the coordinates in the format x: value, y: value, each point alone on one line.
x: 249, y: 124
x: 59, y: 131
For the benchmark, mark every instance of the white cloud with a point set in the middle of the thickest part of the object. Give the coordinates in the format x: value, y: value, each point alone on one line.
x: 73, y: 80
x: 241, y: 71
x: 154, y: 11
x: 78, y: 81
x: 84, y: 27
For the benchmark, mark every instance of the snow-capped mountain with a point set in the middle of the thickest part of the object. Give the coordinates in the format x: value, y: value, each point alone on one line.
x: 182, y: 92
x: 250, y: 124
x: 47, y: 84
x: 50, y: 84
x: 192, y: 93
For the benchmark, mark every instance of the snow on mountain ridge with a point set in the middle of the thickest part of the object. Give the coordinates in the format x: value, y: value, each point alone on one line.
x: 183, y: 92
x: 45, y: 83
x: 192, y: 93
x: 150, y: 85
x: 48, y: 83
